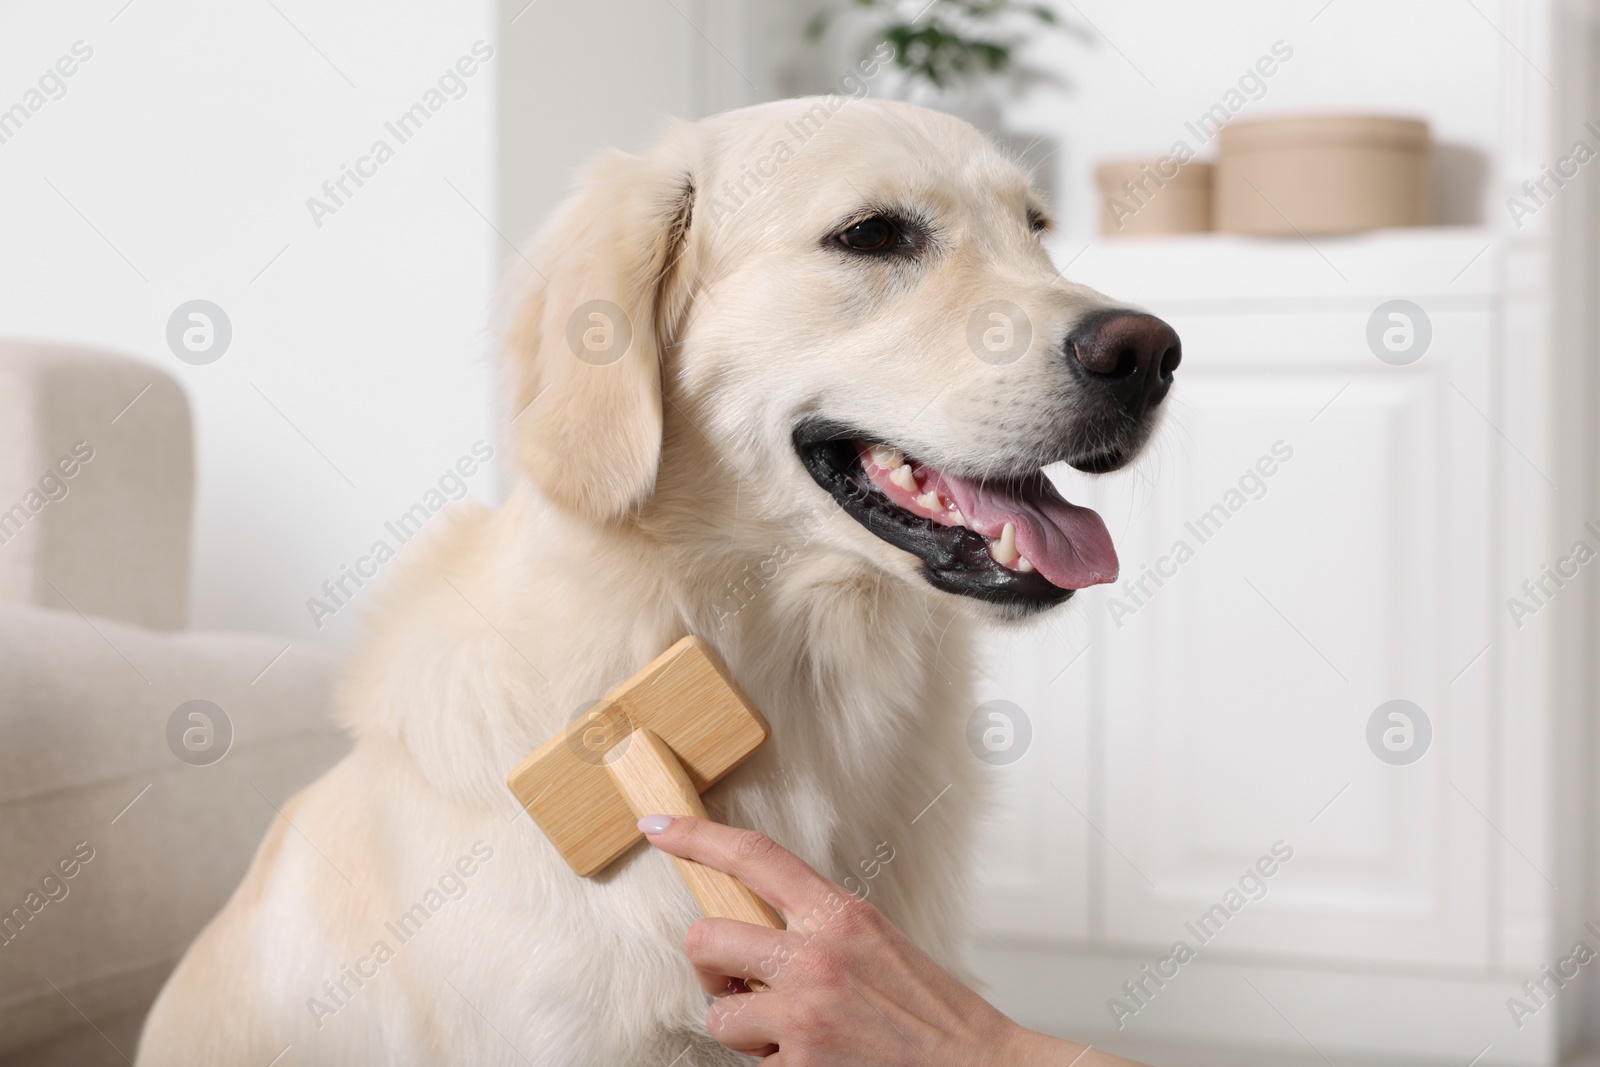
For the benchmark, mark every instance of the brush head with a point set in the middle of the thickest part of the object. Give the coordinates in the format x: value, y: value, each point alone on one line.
x: 685, y: 697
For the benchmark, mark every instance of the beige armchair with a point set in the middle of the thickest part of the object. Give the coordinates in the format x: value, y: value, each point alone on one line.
x: 124, y: 822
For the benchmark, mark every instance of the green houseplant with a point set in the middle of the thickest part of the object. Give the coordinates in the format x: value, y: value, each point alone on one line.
x: 947, y: 48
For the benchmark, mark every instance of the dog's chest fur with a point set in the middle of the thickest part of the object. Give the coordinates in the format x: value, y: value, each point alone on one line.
x: 866, y: 776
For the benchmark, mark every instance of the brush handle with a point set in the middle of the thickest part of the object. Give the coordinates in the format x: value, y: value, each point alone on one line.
x: 653, y: 782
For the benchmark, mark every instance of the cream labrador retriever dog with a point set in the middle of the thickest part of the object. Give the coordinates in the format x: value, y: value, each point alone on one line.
x: 787, y: 382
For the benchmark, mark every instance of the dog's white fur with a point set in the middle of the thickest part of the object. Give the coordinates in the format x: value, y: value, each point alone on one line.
x: 648, y: 486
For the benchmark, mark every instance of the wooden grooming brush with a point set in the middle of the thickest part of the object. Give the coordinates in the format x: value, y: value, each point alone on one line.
x: 650, y: 747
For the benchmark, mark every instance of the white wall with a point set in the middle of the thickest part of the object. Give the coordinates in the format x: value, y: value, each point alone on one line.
x: 181, y: 158
x: 582, y: 76
x: 567, y: 98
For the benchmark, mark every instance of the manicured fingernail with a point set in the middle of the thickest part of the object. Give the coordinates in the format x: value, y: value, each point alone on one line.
x: 654, y: 824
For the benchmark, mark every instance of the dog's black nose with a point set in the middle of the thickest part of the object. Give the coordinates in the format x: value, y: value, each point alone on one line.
x: 1131, y: 354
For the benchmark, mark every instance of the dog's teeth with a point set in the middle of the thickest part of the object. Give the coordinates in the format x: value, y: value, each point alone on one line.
x: 930, y: 500
x: 903, y: 477
x: 1004, y: 550
x: 1023, y: 565
x: 955, y: 516
x: 886, y: 457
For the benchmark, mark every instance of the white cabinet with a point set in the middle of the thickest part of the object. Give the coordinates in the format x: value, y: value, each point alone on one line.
x: 1316, y: 532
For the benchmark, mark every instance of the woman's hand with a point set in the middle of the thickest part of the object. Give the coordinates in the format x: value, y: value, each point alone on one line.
x: 845, y: 986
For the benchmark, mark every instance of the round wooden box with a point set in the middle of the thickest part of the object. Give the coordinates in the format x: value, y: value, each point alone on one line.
x: 1323, y: 175
x: 1144, y: 197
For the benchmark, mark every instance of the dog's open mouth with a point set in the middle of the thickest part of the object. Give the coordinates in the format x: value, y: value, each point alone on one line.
x: 1012, y: 541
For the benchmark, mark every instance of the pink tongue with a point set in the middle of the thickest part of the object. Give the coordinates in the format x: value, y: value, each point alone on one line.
x: 1067, y: 544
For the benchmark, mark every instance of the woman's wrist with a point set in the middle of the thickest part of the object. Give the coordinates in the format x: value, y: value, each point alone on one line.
x: 1021, y: 1047
x: 1029, y: 1048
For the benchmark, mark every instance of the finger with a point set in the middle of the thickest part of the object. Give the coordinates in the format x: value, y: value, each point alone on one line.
x: 744, y: 1023
x: 720, y: 985
x: 726, y: 948
x: 772, y: 872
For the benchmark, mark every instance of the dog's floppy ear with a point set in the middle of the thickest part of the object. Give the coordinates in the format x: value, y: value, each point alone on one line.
x: 586, y: 343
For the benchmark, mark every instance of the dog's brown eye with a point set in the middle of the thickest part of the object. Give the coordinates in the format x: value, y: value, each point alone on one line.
x: 870, y: 235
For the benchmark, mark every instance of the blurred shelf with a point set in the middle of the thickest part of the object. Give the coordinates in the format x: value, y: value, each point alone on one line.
x: 1232, y: 273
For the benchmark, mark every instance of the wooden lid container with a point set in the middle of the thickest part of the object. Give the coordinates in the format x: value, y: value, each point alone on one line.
x: 1323, y: 174
x: 1144, y: 197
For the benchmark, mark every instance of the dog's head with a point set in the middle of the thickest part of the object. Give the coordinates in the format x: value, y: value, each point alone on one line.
x: 831, y: 306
